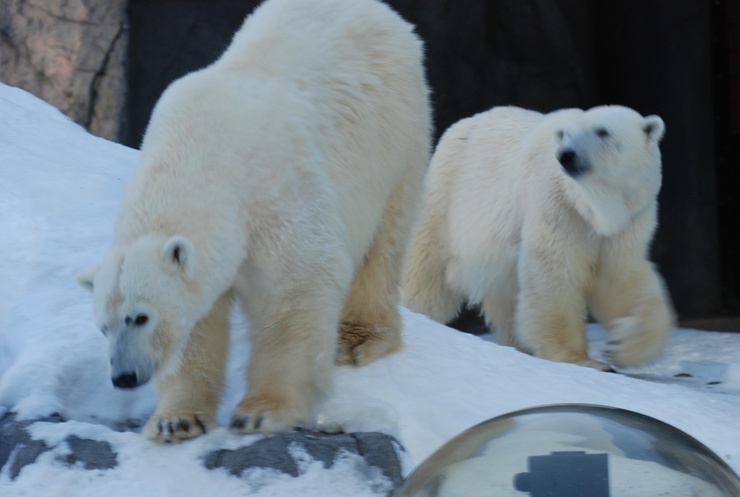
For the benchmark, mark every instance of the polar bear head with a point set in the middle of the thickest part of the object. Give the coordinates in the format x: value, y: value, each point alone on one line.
x: 146, y: 302
x: 611, y: 159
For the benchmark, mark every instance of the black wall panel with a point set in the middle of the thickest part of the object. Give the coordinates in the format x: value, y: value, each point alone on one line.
x: 652, y: 55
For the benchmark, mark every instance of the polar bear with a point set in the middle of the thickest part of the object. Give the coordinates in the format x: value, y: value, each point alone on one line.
x: 541, y: 219
x: 284, y: 176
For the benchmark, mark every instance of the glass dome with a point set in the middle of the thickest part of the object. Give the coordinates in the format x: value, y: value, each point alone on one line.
x: 572, y: 450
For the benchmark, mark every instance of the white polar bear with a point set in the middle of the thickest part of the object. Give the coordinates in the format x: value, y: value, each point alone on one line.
x: 284, y: 175
x: 540, y: 219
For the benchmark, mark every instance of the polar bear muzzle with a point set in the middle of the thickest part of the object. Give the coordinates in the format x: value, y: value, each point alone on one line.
x: 126, y: 381
x: 130, y: 363
x: 572, y: 162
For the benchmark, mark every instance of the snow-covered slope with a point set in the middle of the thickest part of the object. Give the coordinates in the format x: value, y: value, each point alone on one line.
x: 59, y: 190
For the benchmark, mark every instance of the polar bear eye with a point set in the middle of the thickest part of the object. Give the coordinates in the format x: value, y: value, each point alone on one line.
x: 602, y: 132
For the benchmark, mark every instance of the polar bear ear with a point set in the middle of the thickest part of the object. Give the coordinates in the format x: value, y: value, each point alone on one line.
x: 653, y: 127
x: 179, y: 252
x: 86, y: 279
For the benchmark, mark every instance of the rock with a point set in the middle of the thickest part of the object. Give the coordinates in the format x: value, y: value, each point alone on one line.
x: 70, y: 53
x: 92, y: 454
x: 269, y: 453
x: 377, y: 450
x: 19, y: 449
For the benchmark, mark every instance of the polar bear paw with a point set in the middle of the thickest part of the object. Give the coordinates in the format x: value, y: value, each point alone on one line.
x: 265, y: 414
x: 598, y: 365
x: 579, y: 358
x: 176, y: 427
x: 361, y: 343
x: 633, y: 342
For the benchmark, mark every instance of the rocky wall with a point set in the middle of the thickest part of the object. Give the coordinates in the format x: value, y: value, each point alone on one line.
x: 71, y: 53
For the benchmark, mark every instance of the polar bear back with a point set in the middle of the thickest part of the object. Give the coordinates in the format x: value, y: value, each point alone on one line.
x: 364, y: 93
x: 307, y: 102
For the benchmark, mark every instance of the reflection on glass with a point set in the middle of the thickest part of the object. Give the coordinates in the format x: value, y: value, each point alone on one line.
x: 572, y: 450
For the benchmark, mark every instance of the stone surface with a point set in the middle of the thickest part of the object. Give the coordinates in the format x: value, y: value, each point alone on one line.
x: 69, y: 53
x: 91, y: 454
x: 18, y: 449
x: 273, y: 452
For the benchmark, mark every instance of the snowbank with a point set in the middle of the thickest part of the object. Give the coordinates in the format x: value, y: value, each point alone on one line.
x: 59, y: 191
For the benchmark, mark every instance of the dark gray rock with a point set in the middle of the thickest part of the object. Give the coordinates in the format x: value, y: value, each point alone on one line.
x: 92, y: 454
x: 18, y: 449
x: 377, y: 450
x: 380, y: 450
x: 270, y: 453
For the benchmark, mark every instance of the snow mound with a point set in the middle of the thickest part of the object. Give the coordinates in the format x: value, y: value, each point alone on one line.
x: 59, y: 191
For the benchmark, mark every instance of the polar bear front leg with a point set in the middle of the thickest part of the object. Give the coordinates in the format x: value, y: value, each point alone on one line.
x: 633, y: 304
x: 188, y: 399
x: 293, y: 342
x: 551, y: 309
x: 553, y: 334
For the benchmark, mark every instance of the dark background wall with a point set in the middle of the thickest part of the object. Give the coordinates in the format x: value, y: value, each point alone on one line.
x: 665, y: 57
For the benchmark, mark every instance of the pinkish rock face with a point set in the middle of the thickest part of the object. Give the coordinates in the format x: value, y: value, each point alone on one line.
x: 70, y: 53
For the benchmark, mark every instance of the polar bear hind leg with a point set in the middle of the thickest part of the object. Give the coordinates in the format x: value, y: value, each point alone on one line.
x: 426, y: 287
x: 371, y: 322
x: 500, y: 316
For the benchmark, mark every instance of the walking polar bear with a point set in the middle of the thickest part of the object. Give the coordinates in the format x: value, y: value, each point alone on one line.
x: 541, y: 219
x: 284, y: 175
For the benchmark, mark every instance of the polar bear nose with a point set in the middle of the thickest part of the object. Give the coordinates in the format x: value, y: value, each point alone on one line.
x: 567, y: 158
x: 126, y: 381
x: 570, y: 162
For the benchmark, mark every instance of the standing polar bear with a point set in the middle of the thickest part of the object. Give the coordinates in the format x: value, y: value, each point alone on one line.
x: 541, y: 219
x: 284, y: 175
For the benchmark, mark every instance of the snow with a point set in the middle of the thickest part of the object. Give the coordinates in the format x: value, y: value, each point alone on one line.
x: 59, y: 191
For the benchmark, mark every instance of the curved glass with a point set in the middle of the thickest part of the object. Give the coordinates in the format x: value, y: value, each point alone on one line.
x: 572, y: 450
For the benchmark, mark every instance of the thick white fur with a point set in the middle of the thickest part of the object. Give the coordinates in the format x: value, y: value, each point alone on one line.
x: 284, y: 175
x: 506, y: 227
